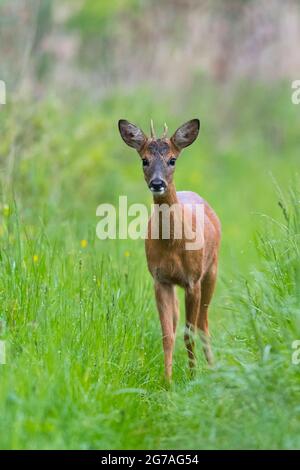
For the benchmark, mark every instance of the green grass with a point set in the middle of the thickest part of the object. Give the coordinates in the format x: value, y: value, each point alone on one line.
x: 84, y: 357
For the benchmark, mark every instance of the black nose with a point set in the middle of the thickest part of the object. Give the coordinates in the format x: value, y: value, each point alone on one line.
x: 157, y: 184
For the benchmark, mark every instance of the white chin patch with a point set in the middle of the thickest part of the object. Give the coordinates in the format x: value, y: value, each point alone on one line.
x: 156, y: 193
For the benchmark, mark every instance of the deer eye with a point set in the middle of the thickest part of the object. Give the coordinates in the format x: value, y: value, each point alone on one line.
x: 145, y: 162
x: 172, y: 161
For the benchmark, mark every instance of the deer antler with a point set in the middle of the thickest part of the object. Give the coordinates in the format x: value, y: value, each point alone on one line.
x: 165, y: 131
x: 152, y: 130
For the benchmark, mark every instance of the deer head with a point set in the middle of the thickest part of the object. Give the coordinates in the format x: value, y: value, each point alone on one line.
x: 159, y: 155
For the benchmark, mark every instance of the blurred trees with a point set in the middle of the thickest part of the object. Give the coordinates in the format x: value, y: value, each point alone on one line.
x: 99, y: 45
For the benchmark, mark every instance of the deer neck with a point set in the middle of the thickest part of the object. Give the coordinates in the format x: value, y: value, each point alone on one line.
x: 169, y: 197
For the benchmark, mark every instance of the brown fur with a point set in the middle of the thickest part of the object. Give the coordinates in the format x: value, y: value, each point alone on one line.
x: 168, y: 261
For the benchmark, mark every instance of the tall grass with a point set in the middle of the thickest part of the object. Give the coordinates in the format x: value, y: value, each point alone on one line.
x: 84, y: 357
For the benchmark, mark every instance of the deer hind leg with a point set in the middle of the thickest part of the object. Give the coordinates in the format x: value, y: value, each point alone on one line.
x: 207, y: 290
x: 166, y: 300
x: 192, y: 306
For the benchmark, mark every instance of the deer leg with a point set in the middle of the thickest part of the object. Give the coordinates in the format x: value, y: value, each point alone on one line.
x: 207, y: 290
x: 192, y: 305
x: 175, y: 312
x: 165, y: 300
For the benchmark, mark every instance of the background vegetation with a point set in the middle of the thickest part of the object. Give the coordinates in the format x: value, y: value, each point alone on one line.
x: 84, y: 358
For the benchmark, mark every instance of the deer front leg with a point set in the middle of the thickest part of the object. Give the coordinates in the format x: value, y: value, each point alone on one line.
x: 166, y: 300
x: 175, y: 312
x: 192, y: 304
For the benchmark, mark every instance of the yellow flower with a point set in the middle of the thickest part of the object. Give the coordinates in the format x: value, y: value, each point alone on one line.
x: 35, y: 258
x: 83, y: 243
x: 126, y: 253
x: 6, y: 210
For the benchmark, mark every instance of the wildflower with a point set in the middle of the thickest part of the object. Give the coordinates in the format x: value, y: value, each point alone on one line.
x: 83, y: 243
x: 127, y: 254
x: 35, y: 258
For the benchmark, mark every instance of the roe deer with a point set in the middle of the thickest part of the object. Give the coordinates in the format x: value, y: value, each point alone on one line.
x: 169, y: 262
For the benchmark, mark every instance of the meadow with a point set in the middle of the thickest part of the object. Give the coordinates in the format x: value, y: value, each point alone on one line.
x: 84, y: 357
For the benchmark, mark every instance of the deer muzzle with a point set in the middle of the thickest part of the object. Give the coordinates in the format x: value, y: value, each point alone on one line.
x: 157, y: 186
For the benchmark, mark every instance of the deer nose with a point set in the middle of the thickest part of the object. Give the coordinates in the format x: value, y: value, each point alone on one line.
x: 157, y: 185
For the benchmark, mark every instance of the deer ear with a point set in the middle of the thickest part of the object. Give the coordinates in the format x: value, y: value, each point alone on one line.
x: 131, y: 134
x: 186, y: 134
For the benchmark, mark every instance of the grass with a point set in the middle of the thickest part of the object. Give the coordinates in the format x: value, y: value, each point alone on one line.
x: 84, y: 357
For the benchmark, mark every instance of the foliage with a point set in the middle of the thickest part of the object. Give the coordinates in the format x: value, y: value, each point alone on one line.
x: 84, y: 358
